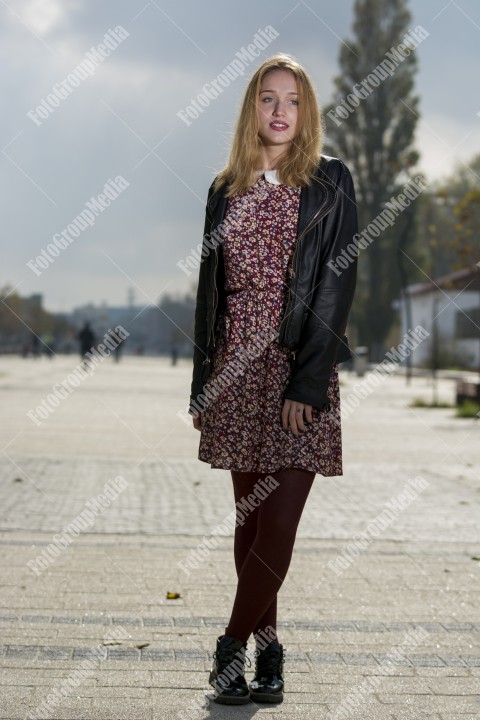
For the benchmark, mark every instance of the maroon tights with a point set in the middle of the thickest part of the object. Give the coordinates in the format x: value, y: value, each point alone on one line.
x: 263, y: 547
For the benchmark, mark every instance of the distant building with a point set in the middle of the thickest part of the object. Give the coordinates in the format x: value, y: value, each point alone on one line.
x: 153, y: 329
x: 454, y: 300
x: 103, y: 318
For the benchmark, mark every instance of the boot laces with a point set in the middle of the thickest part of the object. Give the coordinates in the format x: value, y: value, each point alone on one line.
x: 226, y: 657
x: 269, y: 661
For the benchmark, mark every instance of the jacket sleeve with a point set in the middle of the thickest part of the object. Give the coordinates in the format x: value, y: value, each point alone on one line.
x: 330, y: 303
x: 200, y: 345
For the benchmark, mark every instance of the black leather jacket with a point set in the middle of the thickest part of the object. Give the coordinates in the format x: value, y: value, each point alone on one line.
x: 320, y: 291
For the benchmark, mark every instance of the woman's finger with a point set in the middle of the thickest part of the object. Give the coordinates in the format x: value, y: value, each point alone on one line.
x: 296, y: 419
x: 293, y: 416
x: 286, y: 414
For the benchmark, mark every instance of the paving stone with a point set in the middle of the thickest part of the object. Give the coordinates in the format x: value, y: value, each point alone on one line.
x: 453, y: 660
x: 188, y: 622
x: 358, y: 659
x: 118, y: 653
x: 387, y: 660
x: 353, y: 626
x: 326, y: 658
x: 56, y: 653
x: 426, y: 660
x: 126, y: 621
x: 339, y: 631
x: 80, y: 653
x: 215, y: 622
x: 90, y: 620
x: 472, y: 660
x: 21, y: 651
x: 149, y: 622
x: 430, y: 626
x: 458, y: 627
x: 157, y: 655
x: 370, y: 627
x: 187, y: 654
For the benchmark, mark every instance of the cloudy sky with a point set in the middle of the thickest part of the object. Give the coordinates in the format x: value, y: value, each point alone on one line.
x: 122, y: 120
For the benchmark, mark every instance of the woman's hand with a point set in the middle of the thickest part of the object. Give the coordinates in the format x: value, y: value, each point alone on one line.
x: 293, y: 414
x: 197, y: 421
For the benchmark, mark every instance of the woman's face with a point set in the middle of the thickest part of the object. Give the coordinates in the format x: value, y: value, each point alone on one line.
x: 277, y: 108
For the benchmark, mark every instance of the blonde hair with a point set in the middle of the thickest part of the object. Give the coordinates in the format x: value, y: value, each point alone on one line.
x: 296, y: 165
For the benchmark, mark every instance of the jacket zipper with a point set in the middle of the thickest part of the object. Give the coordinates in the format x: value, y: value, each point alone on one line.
x: 212, y: 332
x: 295, y: 264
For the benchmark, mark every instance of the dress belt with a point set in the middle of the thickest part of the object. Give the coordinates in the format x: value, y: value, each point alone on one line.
x: 256, y: 315
x: 250, y: 288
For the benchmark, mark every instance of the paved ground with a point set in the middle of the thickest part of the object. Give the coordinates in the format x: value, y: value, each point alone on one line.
x: 380, y: 609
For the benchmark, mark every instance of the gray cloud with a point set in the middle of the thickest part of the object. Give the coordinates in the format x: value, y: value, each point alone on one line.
x: 123, y: 120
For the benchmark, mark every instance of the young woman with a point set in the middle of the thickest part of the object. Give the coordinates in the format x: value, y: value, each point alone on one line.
x: 273, y: 299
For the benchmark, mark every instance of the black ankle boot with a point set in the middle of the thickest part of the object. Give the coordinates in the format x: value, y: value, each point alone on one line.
x: 267, y: 685
x: 227, y: 674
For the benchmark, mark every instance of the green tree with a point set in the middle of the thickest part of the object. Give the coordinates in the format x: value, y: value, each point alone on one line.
x: 449, y: 222
x: 370, y: 125
x: 22, y: 317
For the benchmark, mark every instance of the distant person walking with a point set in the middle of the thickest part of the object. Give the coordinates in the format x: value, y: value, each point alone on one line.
x: 48, y: 341
x: 35, y: 340
x: 270, y: 321
x: 86, y: 339
x: 118, y: 345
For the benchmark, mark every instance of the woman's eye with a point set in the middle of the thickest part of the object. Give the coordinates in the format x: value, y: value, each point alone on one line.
x: 295, y: 102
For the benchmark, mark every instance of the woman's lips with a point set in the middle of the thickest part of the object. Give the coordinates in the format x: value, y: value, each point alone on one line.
x: 281, y: 126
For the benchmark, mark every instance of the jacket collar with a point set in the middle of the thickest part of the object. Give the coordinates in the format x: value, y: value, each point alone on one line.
x: 316, y: 199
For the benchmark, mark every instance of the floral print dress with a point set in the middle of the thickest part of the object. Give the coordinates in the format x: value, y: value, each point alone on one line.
x: 241, y: 422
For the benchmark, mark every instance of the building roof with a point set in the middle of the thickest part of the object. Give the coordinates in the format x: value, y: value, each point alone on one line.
x: 466, y: 278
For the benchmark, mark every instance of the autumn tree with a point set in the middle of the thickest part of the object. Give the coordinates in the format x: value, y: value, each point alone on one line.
x: 450, y: 219
x: 370, y: 125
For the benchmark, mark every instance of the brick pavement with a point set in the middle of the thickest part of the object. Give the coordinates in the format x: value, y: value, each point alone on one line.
x: 102, y: 600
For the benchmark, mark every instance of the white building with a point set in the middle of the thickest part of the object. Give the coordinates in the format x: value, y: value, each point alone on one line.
x: 454, y: 301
